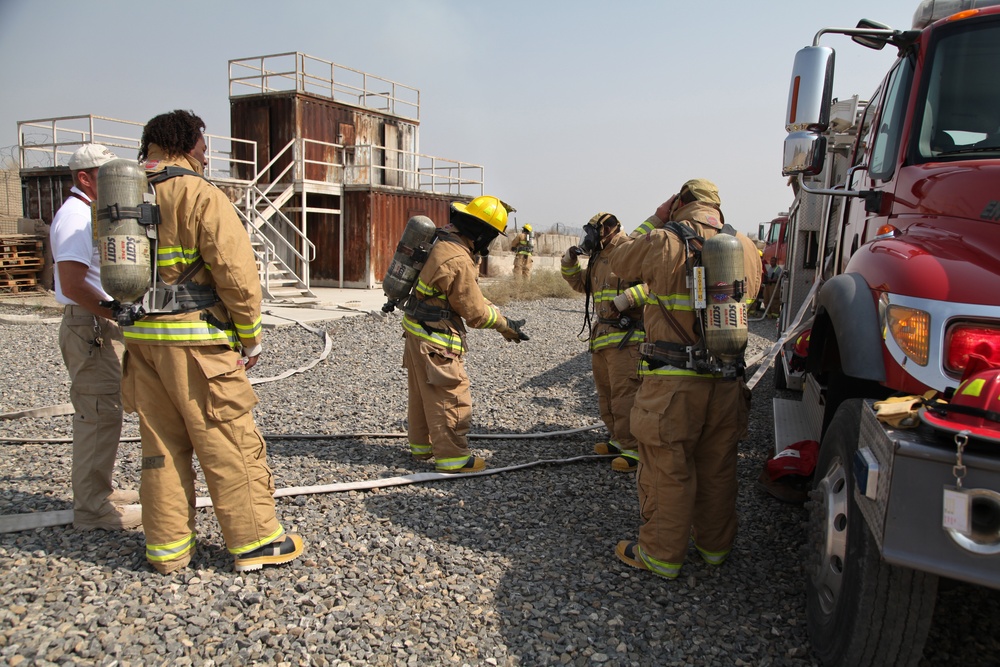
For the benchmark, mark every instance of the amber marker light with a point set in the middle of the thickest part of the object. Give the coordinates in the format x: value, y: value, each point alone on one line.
x: 910, y: 328
x: 963, y: 15
x: 886, y: 232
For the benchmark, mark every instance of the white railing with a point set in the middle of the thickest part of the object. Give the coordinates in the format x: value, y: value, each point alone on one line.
x: 49, y: 142
x: 259, y: 199
x: 371, y: 165
x: 302, y: 73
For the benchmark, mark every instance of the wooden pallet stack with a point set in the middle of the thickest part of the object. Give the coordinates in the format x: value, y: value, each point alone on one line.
x: 21, y: 261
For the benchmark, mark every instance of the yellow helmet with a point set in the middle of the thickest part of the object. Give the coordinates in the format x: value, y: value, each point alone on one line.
x: 487, y: 209
x: 527, y: 228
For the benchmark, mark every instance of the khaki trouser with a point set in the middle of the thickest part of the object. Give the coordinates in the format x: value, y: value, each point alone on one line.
x: 522, y: 265
x: 197, y: 400
x: 95, y: 374
x: 617, y: 380
x: 773, y: 307
x: 688, y: 429
x: 439, y: 408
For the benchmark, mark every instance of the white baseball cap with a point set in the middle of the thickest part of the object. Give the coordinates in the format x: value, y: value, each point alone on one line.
x: 89, y: 156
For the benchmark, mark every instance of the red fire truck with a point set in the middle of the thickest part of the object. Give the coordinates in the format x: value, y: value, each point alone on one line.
x: 772, y: 234
x: 894, y: 267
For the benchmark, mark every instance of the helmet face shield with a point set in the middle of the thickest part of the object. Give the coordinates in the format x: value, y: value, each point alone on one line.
x: 590, y: 241
x: 596, y: 230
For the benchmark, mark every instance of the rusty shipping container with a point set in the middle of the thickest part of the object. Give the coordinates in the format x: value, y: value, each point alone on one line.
x: 274, y: 119
x: 373, y: 223
x: 358, y: 161
x: 43, y: 191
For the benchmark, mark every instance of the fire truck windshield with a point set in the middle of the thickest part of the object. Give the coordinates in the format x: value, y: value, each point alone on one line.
x: 961, y: 93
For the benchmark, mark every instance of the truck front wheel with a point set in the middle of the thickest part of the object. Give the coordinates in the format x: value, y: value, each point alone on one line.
x: 860, y: 610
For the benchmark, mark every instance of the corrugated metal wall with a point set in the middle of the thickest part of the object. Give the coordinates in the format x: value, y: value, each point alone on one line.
x: 274, y: 119
x: 374, y: 223
x: 44, y: 191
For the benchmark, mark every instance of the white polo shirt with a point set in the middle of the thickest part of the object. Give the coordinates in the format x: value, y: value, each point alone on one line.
x: 72, y: 240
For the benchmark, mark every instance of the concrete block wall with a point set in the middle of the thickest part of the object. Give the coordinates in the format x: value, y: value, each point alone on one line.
x: 10, y: 200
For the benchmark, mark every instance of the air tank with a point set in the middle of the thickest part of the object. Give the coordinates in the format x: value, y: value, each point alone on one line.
x: 122, y: 243
x: 726, y: 309
x: 411, y: 253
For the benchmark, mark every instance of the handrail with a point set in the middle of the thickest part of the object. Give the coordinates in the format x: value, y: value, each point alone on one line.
x: 53, y: 150
x: 308, y: 74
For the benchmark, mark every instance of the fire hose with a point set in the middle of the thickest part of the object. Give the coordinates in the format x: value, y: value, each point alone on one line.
x: 32, y: 520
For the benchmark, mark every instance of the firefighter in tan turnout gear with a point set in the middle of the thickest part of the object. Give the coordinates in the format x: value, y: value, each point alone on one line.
x: 614, y: 337
x: 691, y: 410
x: 185, y: 372
x: 446, y: 298
x: 523, y: 246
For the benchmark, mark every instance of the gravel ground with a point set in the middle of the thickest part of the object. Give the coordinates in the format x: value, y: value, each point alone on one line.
x: 509, y: 569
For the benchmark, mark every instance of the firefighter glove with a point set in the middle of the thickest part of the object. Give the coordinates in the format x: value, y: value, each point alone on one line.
x: 899, y: 411
x: 513, y: 332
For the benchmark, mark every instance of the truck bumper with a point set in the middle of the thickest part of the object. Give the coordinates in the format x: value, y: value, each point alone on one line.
x: 906, y: 514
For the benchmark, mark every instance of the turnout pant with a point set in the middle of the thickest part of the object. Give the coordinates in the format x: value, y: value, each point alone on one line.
x: 688, y: 429
x: 617, y: 380
x: 197, y: 401
x: 439, y: 408
x: 522, y: 265
x: 95, y: 374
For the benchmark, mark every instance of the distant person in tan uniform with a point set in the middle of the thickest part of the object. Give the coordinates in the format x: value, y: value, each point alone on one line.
x: 523, y: 246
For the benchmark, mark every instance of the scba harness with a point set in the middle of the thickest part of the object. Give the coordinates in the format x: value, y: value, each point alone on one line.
x: 720, y: 310
x: 160, y: 298
x: 527, y: 246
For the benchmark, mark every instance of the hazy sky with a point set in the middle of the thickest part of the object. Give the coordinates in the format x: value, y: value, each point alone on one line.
x: 571, y: 107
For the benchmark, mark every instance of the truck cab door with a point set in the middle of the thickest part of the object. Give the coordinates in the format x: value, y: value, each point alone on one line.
x: 877, y: 155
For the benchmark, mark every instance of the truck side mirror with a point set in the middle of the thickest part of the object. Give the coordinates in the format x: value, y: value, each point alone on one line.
x: 804, y: 154
x: 807, y: 116
x: 876, y: 42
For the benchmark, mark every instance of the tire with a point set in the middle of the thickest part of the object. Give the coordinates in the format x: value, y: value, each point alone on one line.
x: 859, y: 609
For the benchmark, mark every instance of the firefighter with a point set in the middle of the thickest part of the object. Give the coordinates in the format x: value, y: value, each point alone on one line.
x: 185, y: 372
x: 447, y: 299
x: 614, y: 338
x: 687, y: 421
x: 523, y: 246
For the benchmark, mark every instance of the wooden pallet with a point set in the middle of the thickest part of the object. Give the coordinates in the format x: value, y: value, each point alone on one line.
x: 21, y: 259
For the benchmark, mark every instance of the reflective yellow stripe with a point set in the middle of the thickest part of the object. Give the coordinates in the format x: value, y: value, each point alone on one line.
x: 249, y: 330
x: 428, y: 290
x: 177, y: 331
x: 492, y: 319
x: 972, y: 387
x: 570, y: 270
x: 639, y: 295
x: 644, y: 228
x: 660, y: 567
x: 175, y: 254
x: 713, y: 557
x: 672, y: 371
x: 673, y: 301
x: 170, y: 551
x: 451, y: 464
x: 259, y: 543
x: 420, y: 450
x: 446, y: 339
x: 616, y: 337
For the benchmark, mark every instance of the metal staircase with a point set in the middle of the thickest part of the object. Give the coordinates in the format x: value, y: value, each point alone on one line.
x: 278, y: 244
